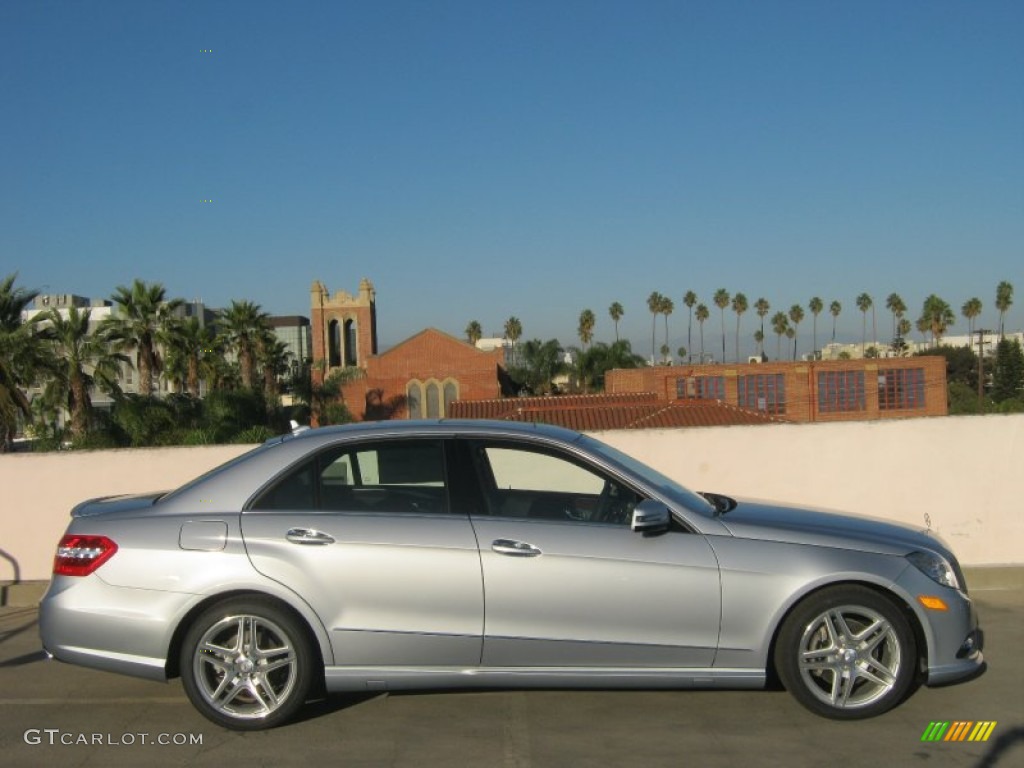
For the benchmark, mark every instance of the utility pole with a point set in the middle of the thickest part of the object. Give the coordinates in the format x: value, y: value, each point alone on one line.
x: 981, y: 368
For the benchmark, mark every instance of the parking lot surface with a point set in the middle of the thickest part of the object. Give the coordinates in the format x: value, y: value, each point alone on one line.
x: 52, y: 713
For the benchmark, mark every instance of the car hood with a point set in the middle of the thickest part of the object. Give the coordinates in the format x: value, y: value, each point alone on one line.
x: 106, y: 505
x: 773, y: 522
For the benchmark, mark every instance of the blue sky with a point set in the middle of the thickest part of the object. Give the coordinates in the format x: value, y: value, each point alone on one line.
x: 478, y: 160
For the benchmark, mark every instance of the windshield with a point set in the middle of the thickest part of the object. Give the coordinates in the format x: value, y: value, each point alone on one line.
x: 664, y: 484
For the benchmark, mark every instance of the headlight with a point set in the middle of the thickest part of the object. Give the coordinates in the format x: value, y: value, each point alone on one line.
x: 935, y: 567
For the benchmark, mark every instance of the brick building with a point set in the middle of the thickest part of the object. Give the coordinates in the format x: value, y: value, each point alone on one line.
x: 821, y: 390
x: 422, y: 376
x: 418, y: 378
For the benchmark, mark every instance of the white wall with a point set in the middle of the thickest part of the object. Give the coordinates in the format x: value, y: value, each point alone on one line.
x: 37, y: 492
x: 966, y: 473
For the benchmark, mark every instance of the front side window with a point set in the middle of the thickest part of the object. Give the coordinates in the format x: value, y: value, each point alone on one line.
x: 526, y: 482
x: 388, y: 477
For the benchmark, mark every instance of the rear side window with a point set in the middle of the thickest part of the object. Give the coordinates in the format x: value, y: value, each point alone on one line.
x: 388, y: 476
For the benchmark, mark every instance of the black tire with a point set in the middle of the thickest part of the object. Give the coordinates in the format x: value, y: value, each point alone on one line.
x: 246, y: 664
x: 847, y: 653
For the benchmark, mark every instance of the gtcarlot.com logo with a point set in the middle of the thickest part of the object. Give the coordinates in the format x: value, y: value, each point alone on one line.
x: 959, y: 730
x: 55, y: 736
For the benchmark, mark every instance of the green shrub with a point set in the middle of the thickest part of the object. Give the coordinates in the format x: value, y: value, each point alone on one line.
x: 256, y: 434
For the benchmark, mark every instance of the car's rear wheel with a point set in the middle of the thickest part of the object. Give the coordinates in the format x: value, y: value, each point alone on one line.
x: 847, y: 653
x: 246, y: 664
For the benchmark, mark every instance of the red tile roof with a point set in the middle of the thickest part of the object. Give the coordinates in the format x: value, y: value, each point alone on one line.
x: 641, y: 410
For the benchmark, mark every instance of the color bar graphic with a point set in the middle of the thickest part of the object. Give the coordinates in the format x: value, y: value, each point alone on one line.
x: 958, y: 730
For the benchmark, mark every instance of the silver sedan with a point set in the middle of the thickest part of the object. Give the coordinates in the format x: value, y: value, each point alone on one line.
x: 410, y: 555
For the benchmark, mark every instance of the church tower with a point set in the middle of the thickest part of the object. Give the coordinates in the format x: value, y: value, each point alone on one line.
x: 344, y: 328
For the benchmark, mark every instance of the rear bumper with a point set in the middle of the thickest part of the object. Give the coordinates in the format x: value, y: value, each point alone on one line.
x: 86, y: 621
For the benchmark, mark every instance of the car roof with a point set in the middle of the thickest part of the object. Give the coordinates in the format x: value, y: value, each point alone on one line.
x: 228, y: 486
x: 435, y: 427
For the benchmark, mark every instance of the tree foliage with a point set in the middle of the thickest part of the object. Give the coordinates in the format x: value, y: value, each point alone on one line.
x: 592, y: 365
x: 1008, y: 374
x: 21, y: 359
x: 540, y: 363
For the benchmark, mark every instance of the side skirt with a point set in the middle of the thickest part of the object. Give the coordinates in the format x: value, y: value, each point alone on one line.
x: 419, y: 678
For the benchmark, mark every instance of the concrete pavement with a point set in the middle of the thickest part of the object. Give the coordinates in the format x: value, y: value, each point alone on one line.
x: 55, y: 713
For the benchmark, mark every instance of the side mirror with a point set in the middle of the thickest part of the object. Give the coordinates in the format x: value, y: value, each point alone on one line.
x: 650, y: 517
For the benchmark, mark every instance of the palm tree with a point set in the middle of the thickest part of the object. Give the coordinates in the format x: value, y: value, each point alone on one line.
x: 779, y: 325
x: 721, y: 300
x: 586, y: 327
x: 759, y: 339
x: 474, y: 332
x: 241, y: 327
x: 816, y: 305
x: 834, y: 309
x: 188, y: 342
x: 894, y: 303
x: 666, y: 309
x: 542, y: 362
x: 1004, y: 299
x: 141, y: 324
x: 214, y: 368
x: 654, y: 307
x: 702, y: 315
x: 739, y: 306
x: 864, y: 303
x: 82, y: 360
x: 796, y: 314
x: 923, y: 327
x: 272, y: 355
x: 970, y: 310
x: 594, y: 363
x: 615, y: 312
x: 20, y: 358
x: 903, y: 328
x: 936, y: 316
x: 513, y: 332
x: 762, y: 307
x: 689, y: 299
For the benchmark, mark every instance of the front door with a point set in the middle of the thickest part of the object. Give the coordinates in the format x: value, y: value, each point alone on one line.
x: 568, y: 583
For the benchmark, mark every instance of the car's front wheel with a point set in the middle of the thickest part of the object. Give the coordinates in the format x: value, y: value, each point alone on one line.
x: 246, y: 664
x: 847, y: 653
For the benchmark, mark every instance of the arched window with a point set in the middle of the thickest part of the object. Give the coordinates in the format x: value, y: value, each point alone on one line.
x: 351, y: 353
x: 433, y: 401
x: 414, y: 395
x: 451, y: 393
x: 333, y: 344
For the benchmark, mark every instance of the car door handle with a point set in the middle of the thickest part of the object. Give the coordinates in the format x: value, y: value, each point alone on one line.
x: 308, y: 536
x: 514, y: 548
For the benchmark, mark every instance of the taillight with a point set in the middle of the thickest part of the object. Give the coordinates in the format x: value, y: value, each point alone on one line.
x: 81, y: 555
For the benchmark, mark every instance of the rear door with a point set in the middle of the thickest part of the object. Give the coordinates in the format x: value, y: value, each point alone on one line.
x: 366, y: 534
